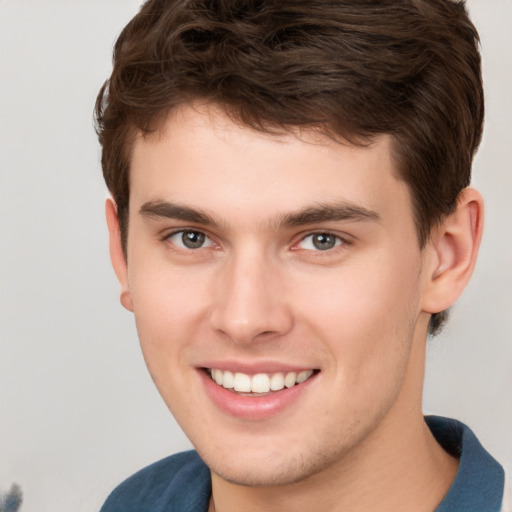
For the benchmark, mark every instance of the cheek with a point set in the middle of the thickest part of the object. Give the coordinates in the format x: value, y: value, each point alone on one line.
x: 167, y: 307
x: 367, y: 313
x: 365, y: 293
x: 367, y: 325
x: 167, y: 311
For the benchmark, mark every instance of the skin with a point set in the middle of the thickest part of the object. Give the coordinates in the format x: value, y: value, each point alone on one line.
x: 259, y: 292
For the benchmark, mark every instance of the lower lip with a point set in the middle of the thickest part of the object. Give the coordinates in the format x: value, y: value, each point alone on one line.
x: 254, y: 408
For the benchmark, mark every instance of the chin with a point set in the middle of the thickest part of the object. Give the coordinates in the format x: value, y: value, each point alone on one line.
x: 270, y: 471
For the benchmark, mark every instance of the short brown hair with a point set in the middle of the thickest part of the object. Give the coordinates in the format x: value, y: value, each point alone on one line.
x: 354, y: 69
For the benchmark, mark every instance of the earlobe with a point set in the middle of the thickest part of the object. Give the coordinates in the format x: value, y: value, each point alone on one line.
x: 116, y: 253
x: 453, y: 249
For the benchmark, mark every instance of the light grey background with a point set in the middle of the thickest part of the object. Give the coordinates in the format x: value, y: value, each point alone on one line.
x: 78, y: 412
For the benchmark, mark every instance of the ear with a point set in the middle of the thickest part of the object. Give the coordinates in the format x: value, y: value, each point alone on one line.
x: 116, y: 253
x: 453, y: 250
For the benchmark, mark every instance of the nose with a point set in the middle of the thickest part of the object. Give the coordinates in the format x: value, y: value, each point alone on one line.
x: 250, y: 303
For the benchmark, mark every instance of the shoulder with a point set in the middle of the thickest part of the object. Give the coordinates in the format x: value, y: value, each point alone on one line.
x: 180, y: 482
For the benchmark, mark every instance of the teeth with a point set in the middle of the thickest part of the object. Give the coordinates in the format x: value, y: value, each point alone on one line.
x: 277, y: 382
x: 217, y: 376
x: 259, y: 383
x: 290, y: 379
x: 242, y: 383
x: 228, y: 380
x: 302, y: 376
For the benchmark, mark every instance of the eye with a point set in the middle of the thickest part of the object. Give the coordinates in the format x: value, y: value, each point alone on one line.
x: 320, y: 242
x: 189, y: 239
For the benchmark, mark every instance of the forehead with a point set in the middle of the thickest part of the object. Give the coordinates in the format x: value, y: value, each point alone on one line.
x: 201, y: 157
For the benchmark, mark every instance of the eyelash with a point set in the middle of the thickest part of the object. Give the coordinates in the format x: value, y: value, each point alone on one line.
x: 338, y: 241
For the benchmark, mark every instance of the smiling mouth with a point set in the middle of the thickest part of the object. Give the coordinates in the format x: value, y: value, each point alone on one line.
x: 260, y: 383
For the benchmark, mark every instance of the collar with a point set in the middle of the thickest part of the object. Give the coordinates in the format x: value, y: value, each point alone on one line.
x: 479, y: 483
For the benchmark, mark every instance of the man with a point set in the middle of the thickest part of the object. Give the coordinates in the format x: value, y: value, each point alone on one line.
x: 290, y: 216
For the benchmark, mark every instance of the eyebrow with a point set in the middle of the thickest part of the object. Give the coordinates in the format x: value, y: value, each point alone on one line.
x: 167, y: 210
x: 344, y: 211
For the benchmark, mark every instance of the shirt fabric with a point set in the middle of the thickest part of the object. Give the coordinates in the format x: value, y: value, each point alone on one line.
x: 181, y: 482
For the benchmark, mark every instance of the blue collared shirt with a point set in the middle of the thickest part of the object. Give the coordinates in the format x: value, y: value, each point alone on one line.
x: 480, y: 481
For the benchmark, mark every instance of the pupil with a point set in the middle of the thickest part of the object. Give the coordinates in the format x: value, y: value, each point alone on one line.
x: 192, y: 239
x: 324, y: 241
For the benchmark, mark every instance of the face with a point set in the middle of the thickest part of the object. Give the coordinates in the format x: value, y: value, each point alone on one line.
x: 276, y: 283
